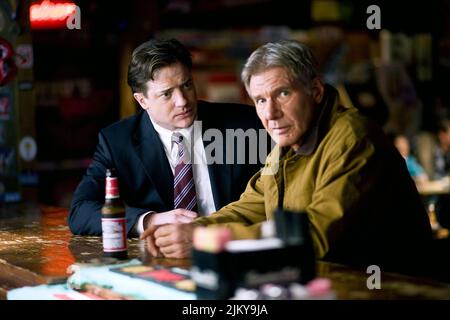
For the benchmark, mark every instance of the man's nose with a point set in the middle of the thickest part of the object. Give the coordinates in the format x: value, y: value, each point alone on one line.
x: 273, y: 110
x: 180, y: 99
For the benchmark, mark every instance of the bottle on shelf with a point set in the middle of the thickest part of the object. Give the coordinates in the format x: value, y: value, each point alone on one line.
x: 114, y: 231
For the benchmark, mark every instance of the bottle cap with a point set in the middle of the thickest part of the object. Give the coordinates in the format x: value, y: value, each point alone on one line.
x: 111, y: 172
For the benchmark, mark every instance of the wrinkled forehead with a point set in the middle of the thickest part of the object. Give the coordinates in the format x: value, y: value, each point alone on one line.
x: 270, y: 79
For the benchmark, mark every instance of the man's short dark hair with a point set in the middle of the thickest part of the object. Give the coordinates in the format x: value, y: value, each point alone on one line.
x: 151, y: 56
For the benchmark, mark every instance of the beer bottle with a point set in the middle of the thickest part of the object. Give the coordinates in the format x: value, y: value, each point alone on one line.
x: 114, y: 231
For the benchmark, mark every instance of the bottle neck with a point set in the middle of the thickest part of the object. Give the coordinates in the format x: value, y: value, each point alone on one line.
x: 112, y: 188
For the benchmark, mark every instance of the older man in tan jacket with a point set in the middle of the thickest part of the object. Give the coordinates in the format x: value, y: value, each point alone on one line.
x: 330, y: 162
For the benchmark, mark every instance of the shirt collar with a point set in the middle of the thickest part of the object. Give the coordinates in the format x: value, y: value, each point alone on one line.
x: 166, y: 135
x: 312, y: 135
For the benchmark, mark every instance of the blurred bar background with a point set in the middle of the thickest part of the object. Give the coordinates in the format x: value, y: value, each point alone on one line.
x: 70, y: 83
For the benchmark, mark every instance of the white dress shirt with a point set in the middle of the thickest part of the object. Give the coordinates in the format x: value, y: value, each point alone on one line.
x: 205, y: 200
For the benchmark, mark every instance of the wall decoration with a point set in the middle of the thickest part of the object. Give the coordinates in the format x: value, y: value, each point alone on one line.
x: 27, y: 148
x: 5, y: 106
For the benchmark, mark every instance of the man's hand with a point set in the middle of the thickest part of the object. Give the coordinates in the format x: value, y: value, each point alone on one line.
x: 150, y: 239
x: 168, y: 217
x: 175, y: 240
x: 152, y: 221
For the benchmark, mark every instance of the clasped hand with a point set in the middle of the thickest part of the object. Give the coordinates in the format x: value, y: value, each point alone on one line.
x: 169, y: 234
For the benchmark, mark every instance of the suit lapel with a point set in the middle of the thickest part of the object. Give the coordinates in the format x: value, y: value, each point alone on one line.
x: 219, y: 174
x: 151, y: 152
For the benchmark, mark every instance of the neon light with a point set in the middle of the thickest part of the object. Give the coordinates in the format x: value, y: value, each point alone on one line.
x: 48, y: 14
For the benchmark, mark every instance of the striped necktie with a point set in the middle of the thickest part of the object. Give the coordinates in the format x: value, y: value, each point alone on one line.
x: 183, y: 180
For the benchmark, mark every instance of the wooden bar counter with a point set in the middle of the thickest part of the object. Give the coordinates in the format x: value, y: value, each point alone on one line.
x: 37, y: 247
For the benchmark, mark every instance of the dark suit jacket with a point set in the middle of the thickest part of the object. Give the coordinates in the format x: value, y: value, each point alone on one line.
x: 133, y: 147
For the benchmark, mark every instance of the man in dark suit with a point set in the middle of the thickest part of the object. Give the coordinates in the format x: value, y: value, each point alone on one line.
x: 142, y: 150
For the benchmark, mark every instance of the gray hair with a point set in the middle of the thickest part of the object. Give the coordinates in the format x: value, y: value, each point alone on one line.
x: 292, y: 55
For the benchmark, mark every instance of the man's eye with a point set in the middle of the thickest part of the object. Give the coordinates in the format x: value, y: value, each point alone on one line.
x: 260, y: 101
x: 188, y: 84
x: 166, y: 94
x: 284, y: 93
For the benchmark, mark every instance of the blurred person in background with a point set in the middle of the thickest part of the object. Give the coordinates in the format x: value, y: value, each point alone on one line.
x: 433, y: 151
x: 442, y: 150
x: 416, y: 171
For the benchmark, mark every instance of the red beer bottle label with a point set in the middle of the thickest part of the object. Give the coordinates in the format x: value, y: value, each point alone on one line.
x: 112, y: 188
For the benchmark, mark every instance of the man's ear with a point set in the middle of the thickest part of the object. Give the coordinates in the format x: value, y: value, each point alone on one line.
x: 140, y: 98
x: 318, y: 90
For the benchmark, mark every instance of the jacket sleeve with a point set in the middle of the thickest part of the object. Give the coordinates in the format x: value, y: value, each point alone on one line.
x: 244, y: 216
x: 85, y: 210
